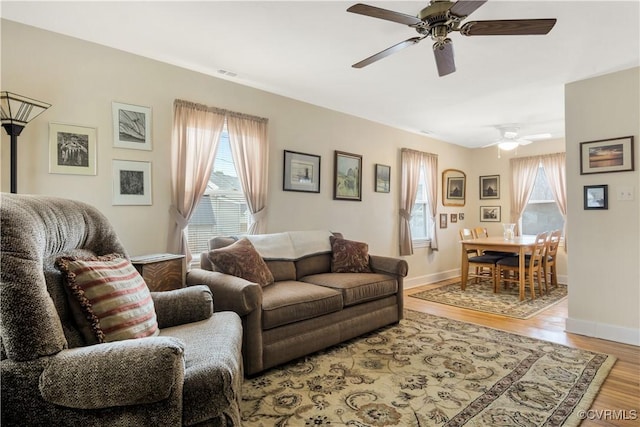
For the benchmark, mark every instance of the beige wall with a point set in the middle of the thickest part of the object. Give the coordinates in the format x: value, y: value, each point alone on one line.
x: 81, y: 79
x: 604, y: 299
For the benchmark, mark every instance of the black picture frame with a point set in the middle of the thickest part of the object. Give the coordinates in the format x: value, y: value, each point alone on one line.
x: 596, y: 197
x: 301, y: 172
x: 607, y: 155
x: 490, y: 187
x: 383, y: 178
x: 347, y: 176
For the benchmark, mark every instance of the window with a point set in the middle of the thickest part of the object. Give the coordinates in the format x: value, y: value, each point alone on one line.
x: 541, y: 213
x: 222, y: 211
x: 421, y: 221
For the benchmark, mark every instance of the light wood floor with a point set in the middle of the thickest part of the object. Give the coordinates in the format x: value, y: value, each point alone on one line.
x: 621, y: 390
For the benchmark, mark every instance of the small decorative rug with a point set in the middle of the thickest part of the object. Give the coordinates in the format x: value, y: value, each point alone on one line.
x: 480, y: 297
x: 429, y: 371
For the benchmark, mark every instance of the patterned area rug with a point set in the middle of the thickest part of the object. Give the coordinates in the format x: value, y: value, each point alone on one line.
x: 480, y: 297
x: 429, y: 371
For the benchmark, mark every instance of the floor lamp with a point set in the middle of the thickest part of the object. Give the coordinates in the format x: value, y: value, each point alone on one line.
x: 16, y: 111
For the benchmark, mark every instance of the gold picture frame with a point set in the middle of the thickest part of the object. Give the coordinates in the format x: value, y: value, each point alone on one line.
x: 454, y: 187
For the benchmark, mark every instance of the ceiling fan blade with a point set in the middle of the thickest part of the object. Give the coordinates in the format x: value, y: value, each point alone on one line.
x: 537, y: 136
x: 507, y: 27
x: 443, y: 52
x: 466, y: 7
x: 385, y: 14
x: 387, y: 52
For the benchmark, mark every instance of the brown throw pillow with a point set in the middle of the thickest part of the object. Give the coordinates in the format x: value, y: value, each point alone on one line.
x: 349, y: 256
x: 109, y: 298
x: 241, y: 259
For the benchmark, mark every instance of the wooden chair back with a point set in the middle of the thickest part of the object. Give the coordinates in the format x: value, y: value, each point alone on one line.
x: 481, y: 232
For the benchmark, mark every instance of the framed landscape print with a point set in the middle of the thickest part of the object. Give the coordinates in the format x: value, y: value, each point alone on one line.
x: 606, y: 155
x: 490, y: 187
x: 301, y: 172
x: 490, y: 213
x: 347, y: 178
x: 454, y: 183
x: 131, y: 126
x: 131, y: 182
x: 383, y: 178
x: 72, y: 149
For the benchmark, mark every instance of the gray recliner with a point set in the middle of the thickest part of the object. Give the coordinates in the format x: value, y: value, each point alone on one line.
x: 190, y: 374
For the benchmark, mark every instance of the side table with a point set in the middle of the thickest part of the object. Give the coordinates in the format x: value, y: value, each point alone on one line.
x: 161, y: 272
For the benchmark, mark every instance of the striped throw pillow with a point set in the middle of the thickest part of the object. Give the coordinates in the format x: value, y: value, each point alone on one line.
x: 112, y: 297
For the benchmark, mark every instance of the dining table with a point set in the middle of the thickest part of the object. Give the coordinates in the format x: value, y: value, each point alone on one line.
x: 519, y: 244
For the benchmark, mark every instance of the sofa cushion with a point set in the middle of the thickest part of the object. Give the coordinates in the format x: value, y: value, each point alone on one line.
x: 282, y: 270
x: 313, y: 264
x: 356, y: 287
x: 110, y: 299
x: 349, y: 256
x: 291, y: 301
x: 240, y: 259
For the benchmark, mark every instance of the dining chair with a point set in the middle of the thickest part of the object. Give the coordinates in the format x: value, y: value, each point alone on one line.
x: 549, y: 260
x: 533, y: 266
x: 484, y: 265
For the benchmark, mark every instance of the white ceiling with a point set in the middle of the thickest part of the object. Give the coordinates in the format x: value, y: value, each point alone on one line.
x: 304, y: 50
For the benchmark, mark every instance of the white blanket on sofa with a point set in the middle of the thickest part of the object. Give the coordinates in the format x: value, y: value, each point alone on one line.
x: 291, y: 245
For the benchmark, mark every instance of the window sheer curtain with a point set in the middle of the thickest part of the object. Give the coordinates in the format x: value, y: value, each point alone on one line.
x: 431, y: 175
x: 524, y: 170
x: 196, y: 132
x: 523, y: 176
x: 411, y: 162
x: 250, y: 150
x: 555, y: 167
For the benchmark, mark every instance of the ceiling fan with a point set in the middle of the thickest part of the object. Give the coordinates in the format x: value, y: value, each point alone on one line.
x: 442, y: 17
x: 510, y: 140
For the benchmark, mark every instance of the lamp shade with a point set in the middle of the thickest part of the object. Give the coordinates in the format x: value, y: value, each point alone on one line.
x: 18, y: 110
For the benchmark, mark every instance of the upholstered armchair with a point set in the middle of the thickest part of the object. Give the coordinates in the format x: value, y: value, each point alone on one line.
x: 188, y: 372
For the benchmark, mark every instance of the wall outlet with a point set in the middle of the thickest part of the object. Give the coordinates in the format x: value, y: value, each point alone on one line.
x: 624, y: 193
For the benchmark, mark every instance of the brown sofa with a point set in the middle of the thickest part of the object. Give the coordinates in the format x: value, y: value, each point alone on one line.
x: 307, y: 308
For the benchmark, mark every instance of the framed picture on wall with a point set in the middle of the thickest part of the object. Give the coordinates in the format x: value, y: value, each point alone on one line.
x: 131, y: 182
x: 383, y: 178
x: 301, y: 172
x: 596, y: 197
x: 131, y: 126
x: 490, y: 187
x: 347, y: 178
x: 606, y: 155
x: 490, y: 213
x: 72, y: 149
x: 454, y: 184
x: 443, y: 220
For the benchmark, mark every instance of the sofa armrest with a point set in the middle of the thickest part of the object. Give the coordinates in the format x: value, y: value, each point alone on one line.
x: 230, y: 293
x: 182, y: 306
x: 389, y: 265
x: 130, y: 372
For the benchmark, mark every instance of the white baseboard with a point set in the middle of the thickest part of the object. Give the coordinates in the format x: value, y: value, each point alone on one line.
x: 603, y: 331
x: 430, y: 278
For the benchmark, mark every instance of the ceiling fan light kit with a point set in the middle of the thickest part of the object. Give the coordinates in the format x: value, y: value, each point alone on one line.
x: 442, y: 17
x: 508, y: 145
